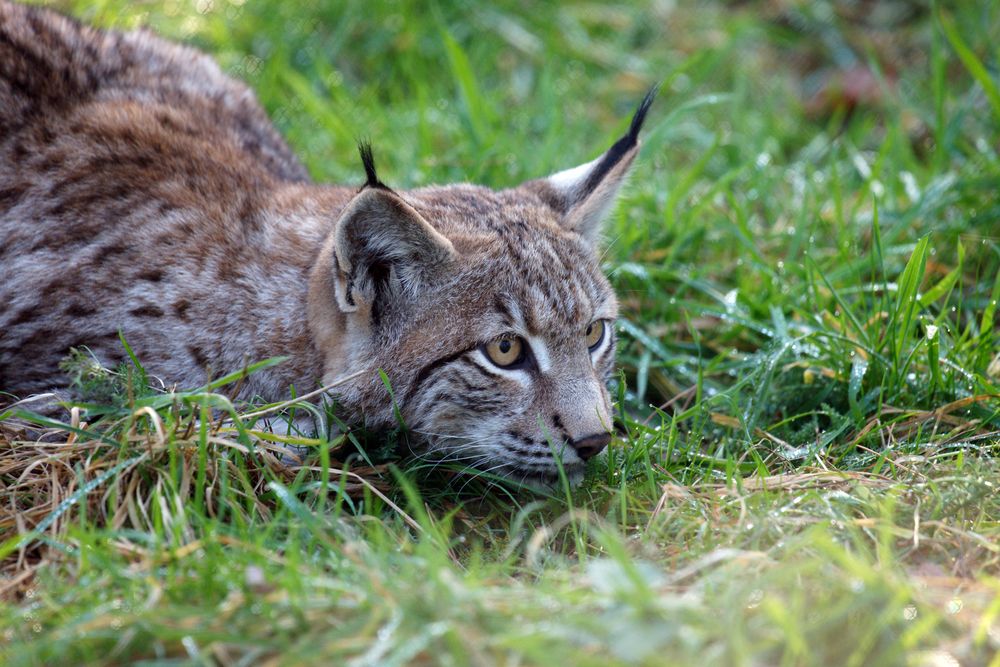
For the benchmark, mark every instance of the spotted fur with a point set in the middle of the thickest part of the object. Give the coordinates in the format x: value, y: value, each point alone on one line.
x: 143, y: 190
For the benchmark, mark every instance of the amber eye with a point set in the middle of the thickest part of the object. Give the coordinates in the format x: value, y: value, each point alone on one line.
x: 595, y: 334
x: 506, y: 352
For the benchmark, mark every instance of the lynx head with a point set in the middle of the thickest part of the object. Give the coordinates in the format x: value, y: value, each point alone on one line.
x: 487, y: 311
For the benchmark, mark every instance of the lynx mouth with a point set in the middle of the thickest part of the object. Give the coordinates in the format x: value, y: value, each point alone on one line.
x: 537, y: 478
x: 506, y: 463
x: 549, y: 480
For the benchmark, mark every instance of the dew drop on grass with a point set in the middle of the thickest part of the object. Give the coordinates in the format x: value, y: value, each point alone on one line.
x: 954, y: 605
x: 910, y: 185
x: 910, y: 612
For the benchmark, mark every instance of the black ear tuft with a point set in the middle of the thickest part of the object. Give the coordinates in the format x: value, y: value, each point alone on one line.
x: 640, y: 114
x: 368, y: 160
x: 623, y: 145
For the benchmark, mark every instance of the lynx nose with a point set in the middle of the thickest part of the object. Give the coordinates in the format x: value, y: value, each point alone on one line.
x: 591, y: 445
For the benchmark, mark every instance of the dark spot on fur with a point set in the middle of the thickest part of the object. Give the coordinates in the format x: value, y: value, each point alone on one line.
x: 77, y: 309
x: 19, y: 152
x: 199, y: 355
x: 151, y: 275
x: 9, y: 196
x: 24, y: 316
x: 247, y: 215
x: 109, y: 251
x: 148, y: 310
x: 229, y: 268
x: 53, y: 161
x: 181, y: 307
x: 41, y: 340
x: 171, y: 124
x: 165, y: 207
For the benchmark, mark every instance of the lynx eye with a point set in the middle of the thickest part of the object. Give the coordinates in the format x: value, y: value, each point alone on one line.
x: 595, y: 334
x: 506, y: 352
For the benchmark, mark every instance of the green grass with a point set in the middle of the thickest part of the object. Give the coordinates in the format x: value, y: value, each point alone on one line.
x: 807, y: 471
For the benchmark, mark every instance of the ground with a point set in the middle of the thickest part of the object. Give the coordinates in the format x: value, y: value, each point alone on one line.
x: 807, y: 464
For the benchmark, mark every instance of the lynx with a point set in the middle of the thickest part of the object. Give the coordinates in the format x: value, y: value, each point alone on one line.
x: 142, y: 190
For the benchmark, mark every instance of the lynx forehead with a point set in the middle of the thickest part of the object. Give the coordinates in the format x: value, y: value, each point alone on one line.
x: 143, y: 190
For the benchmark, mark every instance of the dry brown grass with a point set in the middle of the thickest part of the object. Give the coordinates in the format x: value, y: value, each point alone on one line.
x: 50, y: 479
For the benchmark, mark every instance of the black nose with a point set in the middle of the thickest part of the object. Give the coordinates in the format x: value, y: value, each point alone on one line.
x: 591, y: 445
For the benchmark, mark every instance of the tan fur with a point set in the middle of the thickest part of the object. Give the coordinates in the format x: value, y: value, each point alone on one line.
x: 141, y: 189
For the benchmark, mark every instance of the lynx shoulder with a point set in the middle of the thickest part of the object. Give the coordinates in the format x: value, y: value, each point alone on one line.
x: 144, y: 191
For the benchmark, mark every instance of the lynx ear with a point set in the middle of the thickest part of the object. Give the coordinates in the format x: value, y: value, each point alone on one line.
x: 385, y: 250
x: 585, y: 194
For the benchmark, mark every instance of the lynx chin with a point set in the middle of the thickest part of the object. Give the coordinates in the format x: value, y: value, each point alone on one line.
x: 143, y: 190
